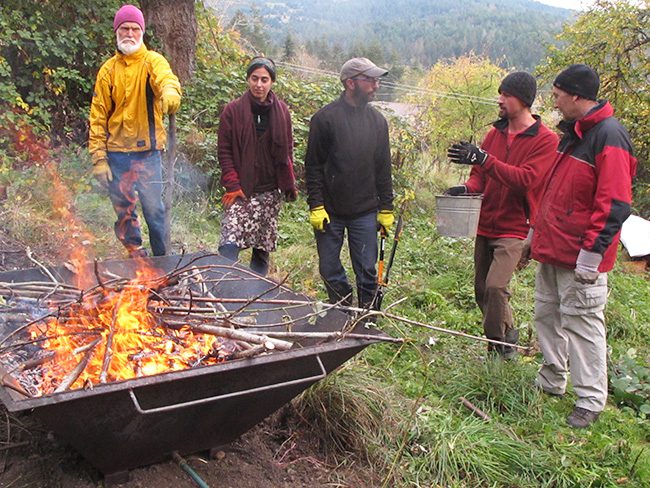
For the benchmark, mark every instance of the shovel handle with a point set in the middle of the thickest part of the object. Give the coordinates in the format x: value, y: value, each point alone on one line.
x: 382, y: 252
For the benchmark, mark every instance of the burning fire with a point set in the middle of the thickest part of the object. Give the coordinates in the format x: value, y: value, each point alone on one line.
x: 119, y: 339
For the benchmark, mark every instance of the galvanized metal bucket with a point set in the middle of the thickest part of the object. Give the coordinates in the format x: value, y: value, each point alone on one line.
x: 457, y: 216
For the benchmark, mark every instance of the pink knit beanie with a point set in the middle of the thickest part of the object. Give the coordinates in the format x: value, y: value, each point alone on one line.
x: 128, y: 13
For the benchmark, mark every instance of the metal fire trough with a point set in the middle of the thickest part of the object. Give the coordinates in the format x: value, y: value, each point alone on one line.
x: 121, y: 425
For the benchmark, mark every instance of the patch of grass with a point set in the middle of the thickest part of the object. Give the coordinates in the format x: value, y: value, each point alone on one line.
x: 351, y: 415
x: 446, y: 449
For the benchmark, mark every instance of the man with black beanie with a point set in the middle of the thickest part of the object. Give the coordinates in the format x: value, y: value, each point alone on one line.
x: 586, y: 199
x: 508, y: 169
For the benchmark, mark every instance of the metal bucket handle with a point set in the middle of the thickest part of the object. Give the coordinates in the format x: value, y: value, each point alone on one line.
x: 176, y: 406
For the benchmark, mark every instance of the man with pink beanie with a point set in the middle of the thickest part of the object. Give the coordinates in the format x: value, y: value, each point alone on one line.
x: 133, y: 90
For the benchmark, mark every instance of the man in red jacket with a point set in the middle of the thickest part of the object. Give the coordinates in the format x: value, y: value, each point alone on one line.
x: 586, y: 199
x: 508, y: 169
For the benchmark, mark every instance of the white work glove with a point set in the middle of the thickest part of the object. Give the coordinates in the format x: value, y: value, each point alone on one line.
x: 586, y: 271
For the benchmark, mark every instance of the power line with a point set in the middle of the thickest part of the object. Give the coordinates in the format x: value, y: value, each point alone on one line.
x: 396, y: 86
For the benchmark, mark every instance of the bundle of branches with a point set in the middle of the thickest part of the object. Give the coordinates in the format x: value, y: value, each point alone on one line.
x: 61, y: 337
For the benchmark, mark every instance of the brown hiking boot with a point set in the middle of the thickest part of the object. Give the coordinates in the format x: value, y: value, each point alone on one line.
x: 582, y: 418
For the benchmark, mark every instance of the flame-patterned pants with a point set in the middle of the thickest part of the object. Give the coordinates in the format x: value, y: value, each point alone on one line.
x: 138, y: 176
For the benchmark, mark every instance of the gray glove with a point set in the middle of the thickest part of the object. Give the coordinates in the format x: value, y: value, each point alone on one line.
x: 586, y: 271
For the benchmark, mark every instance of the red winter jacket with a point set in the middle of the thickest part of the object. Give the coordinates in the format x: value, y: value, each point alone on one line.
x: 588, y: 192
x: 511, y: 178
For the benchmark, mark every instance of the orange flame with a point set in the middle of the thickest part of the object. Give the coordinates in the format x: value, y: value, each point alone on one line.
x: 132, y: 342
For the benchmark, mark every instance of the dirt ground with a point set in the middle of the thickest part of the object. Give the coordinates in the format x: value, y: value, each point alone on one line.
x: 279, y: 452
x: 270, y: 455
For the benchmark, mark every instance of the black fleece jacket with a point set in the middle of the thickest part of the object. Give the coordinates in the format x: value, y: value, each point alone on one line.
x: 348, y: 167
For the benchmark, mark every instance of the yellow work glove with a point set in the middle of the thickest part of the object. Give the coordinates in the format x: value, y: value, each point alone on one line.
x: 385, y: 219
x: 318, y: 217
x: 102, y: 172
x: 231, y: 197
x: 170, y: 99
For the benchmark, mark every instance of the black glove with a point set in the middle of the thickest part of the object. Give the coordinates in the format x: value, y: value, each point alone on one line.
x: 454, y: 191
x: 466, y: 153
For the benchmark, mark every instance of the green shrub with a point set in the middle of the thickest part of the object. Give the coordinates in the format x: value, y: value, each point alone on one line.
x: 630, y: 383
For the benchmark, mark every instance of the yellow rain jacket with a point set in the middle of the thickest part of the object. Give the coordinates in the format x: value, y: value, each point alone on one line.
x: 126, y: 111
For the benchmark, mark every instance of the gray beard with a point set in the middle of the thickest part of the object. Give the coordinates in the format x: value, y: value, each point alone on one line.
x: 128, y: 48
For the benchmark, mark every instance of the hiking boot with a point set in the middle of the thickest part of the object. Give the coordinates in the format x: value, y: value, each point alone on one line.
x: 549, y: 393
x: 512, y: 336
x: 138, y: 252
x: 507, y: 352
x: 582, y: 418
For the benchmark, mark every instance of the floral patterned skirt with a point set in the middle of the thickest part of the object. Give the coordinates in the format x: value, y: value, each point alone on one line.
x: 252, y: 223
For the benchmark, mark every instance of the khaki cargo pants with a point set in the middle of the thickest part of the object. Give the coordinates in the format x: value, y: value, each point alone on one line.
x: 570, y: 323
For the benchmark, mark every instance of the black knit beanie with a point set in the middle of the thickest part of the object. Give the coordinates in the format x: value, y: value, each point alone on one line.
x: 260, y: 62
x: 579, y: 79
x: 521, y: 85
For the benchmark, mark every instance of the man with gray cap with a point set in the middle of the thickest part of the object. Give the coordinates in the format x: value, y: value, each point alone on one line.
x: 508, y: 169
x: 586, y: 199
x: 349, y: 185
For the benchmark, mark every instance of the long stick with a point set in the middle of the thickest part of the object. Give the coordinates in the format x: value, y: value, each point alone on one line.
x: 69, y: 380
x: 207, y: 299
x: 329, y: 335
x: 108, y: 352
x: 241, y: 335
x: 432, y: 327
x: 474, y: 409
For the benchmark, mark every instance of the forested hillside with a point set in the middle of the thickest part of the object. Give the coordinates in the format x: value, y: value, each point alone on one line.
x: 408, y: 32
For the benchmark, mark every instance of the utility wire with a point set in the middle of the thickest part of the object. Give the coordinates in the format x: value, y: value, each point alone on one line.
x: 396, y: 86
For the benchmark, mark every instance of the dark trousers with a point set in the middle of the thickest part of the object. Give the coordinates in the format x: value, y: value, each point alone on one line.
x: 362, y: 243
x: 138, y: 175
x: 259, y: 258
x: 495, y: 261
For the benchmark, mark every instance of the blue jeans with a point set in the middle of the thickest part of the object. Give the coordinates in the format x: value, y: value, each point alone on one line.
x: 362, y: 243
x: 259, y: 258
x: 139, y: 172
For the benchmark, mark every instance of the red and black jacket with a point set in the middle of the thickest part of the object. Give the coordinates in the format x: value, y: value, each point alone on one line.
x: 511, y: 178
x: 588, y: 192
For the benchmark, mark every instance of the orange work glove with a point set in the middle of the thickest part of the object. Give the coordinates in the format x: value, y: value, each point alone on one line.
x: 230, y: 197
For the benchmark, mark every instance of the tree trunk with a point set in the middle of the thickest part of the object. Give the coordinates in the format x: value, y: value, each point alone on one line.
x: 174, y: 23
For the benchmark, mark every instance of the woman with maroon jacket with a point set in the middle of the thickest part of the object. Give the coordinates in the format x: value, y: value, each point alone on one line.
x: 255, y: 151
